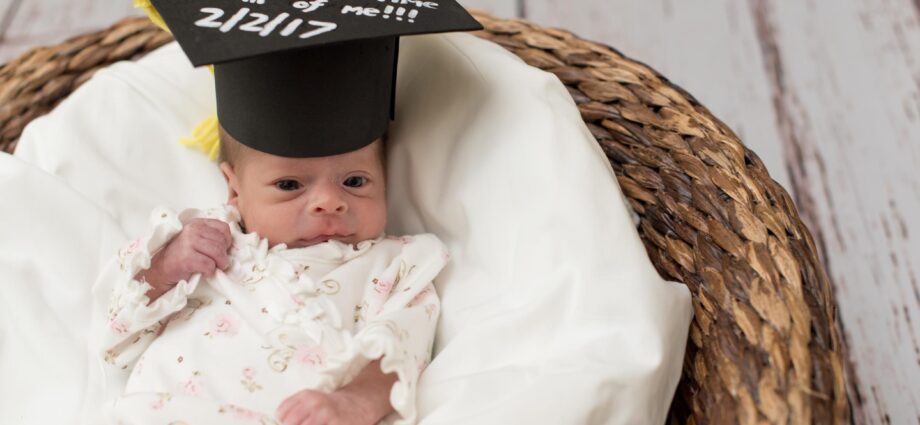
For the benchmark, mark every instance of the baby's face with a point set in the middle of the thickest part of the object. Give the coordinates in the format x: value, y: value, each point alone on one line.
x: 306, y: 201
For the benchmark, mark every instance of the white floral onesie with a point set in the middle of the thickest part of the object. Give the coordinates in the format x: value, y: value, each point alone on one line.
x: 231, y: 348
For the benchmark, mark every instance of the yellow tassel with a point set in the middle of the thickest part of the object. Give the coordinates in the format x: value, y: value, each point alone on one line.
x: 205, y: 136
x: 152, y: 13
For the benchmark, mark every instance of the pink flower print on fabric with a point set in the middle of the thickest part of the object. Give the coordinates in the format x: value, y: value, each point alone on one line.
x: 118, y: 326
x: 248, y: 381
x: 192, y: 387
x: 420, y: 297
x: 133, y: 246
x: 126, y: 252
x: 139, y: 367
x: 248, y: 373
x: 225, y: 325
x: 310, y: 356
x: 445, y: 256
x: 161, y: 401
x: 240, y: 412
x: 382, y: 287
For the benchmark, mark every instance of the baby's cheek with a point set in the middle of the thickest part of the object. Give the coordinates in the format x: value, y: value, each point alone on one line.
x: 373, y: 221
x: 270, y: 224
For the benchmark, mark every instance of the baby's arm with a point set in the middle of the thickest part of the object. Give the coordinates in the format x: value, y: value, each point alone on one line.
x: 201, y: 247
x: 397, y: 329
x: 134, y: 283
x: 365, y: 400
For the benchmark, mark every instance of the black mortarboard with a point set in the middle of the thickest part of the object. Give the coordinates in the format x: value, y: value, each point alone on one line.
x: 305, y: 78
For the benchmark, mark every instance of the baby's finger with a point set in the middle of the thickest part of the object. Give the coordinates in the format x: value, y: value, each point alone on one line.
x: 214, y: 235
x: 284, y: 409
x: 203, y: 264
x: 299, y: 415
x: 296, y: 408
x: 222, y: 228
x: 215, y: 251
x: 315, y: 417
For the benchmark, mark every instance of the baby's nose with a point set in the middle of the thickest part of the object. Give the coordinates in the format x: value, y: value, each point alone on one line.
x: 327, y: 201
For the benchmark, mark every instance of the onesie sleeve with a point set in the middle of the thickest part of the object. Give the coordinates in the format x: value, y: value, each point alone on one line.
x: 130, y: 324
x: 397, y: 321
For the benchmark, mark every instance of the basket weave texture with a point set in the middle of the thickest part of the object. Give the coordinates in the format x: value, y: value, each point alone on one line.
x: 764, y: 345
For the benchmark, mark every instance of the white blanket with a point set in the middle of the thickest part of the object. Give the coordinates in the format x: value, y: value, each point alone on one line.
x: 551, y: 310
x: 53, y: 243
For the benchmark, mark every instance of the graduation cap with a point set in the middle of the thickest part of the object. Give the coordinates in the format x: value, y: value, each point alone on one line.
x: 305, y: 78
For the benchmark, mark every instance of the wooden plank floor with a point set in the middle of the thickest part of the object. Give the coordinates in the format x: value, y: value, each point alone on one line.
x: 40, y: 22
x: 828, y: 95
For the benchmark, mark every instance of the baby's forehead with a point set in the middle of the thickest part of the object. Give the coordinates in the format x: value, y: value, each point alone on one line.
x: 367, y: 159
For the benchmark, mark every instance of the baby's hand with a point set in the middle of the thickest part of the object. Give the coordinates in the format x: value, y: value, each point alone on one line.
x: 311, y: 407
x: 201, y: 247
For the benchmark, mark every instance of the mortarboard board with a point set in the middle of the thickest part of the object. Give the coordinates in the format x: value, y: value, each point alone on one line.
x: 305, y: 78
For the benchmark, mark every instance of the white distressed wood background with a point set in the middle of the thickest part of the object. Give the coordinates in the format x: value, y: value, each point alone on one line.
x: 826, y: 92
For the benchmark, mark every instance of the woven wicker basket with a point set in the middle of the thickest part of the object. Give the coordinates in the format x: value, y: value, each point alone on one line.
x: 765, y: 347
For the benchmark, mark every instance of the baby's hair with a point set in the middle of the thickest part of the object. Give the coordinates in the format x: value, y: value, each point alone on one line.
x: 232, y: 151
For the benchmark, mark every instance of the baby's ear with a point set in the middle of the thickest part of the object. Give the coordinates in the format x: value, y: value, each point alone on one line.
x: 232, y: 183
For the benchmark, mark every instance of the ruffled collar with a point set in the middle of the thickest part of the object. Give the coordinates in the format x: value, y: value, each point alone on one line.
x: 329, y: 252
x: 252, y: 246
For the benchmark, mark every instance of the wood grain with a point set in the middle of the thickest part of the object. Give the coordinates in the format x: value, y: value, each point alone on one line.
x: 827, y: 94
x: 708, y: 48
x: 847, y: 100
x: 43, y: 22
x: 506, y: 8
x: 7, y: 14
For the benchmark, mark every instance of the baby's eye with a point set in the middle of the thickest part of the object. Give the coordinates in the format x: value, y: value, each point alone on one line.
x: 288, y: 185
x: 355, y: 181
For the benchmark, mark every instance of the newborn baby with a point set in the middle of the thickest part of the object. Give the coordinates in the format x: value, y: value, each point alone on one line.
x: 287, y: 305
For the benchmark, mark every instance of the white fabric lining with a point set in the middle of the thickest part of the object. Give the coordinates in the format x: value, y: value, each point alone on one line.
x: 552, y: 312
